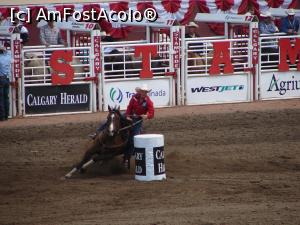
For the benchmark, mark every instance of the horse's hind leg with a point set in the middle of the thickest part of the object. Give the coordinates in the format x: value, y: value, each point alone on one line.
x: 85, y: 162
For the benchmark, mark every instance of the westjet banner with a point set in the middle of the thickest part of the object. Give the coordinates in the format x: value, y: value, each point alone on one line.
x: 217, y: 89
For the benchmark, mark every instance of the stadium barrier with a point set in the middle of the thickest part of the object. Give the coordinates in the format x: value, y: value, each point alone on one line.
x: 237, y: 67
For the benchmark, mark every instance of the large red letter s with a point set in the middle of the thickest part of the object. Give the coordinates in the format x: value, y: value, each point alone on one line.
x: 147, y: 52
x: 221, y: 56
x: 62, y: 67
x: 287, y: 50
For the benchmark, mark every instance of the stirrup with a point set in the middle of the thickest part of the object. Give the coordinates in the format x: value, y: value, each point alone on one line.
x: 126, y: 163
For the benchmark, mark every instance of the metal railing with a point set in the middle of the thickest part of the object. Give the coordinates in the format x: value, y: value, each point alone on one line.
x: 36, y: 67
x: 270, y: 51
x: 119, y: 61
x: 199, y: 55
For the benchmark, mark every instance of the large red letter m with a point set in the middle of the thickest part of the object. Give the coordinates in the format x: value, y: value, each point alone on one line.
x: 287, y: 50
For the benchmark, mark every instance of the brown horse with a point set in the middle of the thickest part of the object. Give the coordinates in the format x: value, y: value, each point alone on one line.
x: 112, y: 141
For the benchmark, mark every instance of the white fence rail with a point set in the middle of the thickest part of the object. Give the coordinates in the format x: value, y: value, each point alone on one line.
x: 199, y: 55
x: 36, y: 65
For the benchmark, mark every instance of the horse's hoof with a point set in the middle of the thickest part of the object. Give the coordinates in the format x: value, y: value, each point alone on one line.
x: 67, y: 176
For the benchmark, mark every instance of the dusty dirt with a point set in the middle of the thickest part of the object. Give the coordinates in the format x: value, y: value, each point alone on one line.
x: 226, y: 164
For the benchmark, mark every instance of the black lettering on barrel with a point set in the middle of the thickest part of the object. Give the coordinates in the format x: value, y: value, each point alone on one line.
x: 159, y: 160
x: 140, y: 161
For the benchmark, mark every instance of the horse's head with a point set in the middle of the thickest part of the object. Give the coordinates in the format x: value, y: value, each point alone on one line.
x: 113, y: 121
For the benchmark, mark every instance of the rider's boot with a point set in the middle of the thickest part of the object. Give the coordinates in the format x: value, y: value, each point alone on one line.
x: 126, y: 161
x: 93, y: 136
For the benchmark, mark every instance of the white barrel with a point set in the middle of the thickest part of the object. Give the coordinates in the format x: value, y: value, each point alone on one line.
x: 149, y: 157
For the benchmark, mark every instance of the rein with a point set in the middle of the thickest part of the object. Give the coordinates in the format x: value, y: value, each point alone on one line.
x: 129, y: 126
x: 124, y: 128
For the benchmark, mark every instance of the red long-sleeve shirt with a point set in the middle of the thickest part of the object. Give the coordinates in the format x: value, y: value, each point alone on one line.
x: 140, y: 106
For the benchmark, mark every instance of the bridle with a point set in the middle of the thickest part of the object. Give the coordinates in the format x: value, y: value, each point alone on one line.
x: 112, y: 132
x: 111, y: 128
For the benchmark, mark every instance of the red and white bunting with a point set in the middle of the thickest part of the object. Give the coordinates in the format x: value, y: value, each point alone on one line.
x: 180, y: 10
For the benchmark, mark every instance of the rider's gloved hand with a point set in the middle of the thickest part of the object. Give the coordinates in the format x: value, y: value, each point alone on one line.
x: 144, y: 117
x: 128, y: 118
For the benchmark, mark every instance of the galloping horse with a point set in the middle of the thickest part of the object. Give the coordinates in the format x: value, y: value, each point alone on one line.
x: 108, y: 143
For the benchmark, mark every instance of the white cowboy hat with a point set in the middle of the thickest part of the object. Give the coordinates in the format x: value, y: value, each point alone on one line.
x: 144, y: 87
x: 192, y: 24
x: 266, y: 14
x: 290, y: 12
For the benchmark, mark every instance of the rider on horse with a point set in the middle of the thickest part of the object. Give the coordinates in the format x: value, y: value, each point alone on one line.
x: 115, y: 134
x: 140, y: 108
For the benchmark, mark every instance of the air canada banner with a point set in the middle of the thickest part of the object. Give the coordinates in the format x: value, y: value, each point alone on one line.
x: 119, y: 93
x: 280, y: 85
x: 218, y: 89
x: 57, y: 99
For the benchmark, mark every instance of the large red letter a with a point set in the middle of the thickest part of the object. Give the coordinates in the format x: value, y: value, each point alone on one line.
x: 221, y: 56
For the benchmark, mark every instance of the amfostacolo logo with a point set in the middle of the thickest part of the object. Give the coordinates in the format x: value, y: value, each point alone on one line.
x: 116, y: 95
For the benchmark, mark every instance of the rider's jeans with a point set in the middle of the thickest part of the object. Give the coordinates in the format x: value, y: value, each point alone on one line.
x: 4, y: 98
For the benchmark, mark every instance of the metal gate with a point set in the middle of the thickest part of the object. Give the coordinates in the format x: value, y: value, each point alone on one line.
x: 274, y: 84
x: 41, y: 97
x: 121, y: 74
x: 202, y: 88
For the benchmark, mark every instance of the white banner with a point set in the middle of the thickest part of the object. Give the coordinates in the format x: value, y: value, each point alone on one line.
x: 274, y: 85
x: 217, y: 89
x: 120, y: 92
x: 76, y: 26
x: 221, y: 18
x: 7, y: 30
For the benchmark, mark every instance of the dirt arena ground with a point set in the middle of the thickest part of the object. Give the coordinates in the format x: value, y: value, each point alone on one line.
x: 226, y: 164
